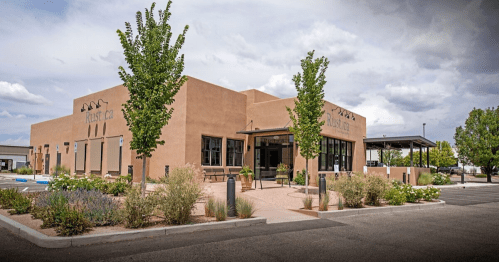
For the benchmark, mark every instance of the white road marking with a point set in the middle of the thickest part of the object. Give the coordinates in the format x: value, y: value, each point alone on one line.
x: 25, y: 189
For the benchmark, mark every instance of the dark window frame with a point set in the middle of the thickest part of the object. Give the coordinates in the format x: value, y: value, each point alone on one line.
x: 212, y: 152
x: 236, y: 150
x: 336, y: 150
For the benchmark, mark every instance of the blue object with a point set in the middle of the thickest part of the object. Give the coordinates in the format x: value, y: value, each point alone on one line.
x: 42, y: 182
x: 21, y: 180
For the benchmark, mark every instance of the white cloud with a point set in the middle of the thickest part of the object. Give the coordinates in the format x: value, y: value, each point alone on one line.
x: 279, y: 85
x: 19, y: 93
x: 9, y: 115
x: 15, y: 142
x: 378, y: 111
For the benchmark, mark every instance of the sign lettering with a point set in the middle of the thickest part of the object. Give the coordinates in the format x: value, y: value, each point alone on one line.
x: 337, y: 123
x: 98, y: 116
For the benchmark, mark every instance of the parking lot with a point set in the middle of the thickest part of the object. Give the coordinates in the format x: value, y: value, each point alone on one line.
x: 29, y: 186
x: 470, y: 195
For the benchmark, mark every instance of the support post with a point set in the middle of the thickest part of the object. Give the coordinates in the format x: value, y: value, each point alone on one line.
x: 404, y: 178
x: 411, y: 154
x: 231, y: 195
x: 420, y: 156
x: 427, y: 157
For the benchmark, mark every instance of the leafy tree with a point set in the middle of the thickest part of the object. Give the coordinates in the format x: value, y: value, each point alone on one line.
x: 391, y: 157
x: 308, y: 108
x: 415, y: 159
x: 156, y: 76
x: 442, y: 155
x: 478, y: 141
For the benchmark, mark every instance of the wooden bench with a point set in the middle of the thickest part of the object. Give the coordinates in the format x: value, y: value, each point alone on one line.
x: 272, y: 176
x: 214, y: 172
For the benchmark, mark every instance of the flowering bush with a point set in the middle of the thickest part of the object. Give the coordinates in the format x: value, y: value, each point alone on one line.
x: 411, y: 194
x: 395, y: 196
x: 431, y: 193
x: 67, y: 183
x: 441, y: 179
x: 97, y: 208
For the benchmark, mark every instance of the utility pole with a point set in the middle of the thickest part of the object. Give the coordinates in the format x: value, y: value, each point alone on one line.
x: 424, y: 124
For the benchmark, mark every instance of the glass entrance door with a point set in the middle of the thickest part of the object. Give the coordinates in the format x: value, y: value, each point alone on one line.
x: 270, y: 151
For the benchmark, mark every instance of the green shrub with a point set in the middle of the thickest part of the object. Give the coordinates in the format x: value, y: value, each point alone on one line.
x: 425, y: 179
x: 8, y: 197
x: 481, y: 176
x: 52, y: 213
x: 353, y: 189
x: 431, y: 193
x: 441, y: 179
x: 73, y: 222
x: 21, y: 205
x: 307, y: 202
x: 300, y: 177
x: 433, y: 170
x: 121, y: 184
x: 376, y: 187
x: 179, y: 193
x: 220, y: 210
x: 323, y: 204
x: 395, y: 196
x: 209, y: 207
x: 137, y: 209
x: 244, y: 208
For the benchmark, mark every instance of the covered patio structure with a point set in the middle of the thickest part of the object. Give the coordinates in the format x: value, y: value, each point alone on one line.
x: 402, y: 142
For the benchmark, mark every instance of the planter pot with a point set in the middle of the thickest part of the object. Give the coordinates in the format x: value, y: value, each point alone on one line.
x: 246, y: 182
x: 281, y: 174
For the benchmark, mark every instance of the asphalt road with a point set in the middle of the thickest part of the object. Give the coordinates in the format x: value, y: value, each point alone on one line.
x: 30, y: 186
x: 461, y: 231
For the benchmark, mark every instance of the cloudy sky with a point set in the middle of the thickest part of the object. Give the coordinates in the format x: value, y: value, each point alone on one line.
x: 398, y: 63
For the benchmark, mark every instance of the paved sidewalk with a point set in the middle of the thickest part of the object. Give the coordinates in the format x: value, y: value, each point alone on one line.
x: 273, y: 202
x: 459, y: 185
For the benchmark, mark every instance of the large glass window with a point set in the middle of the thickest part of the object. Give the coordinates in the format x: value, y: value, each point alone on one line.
x: 234, y: 152
x: 335, y: 152
x: 211, y: 149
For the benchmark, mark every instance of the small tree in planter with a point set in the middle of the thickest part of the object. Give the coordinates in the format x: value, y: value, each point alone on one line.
x: 246, y: 176
x: 282, y: 169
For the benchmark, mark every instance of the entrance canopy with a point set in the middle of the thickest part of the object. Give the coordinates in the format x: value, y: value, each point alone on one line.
x: 386, y: 143
x: 398, y: 142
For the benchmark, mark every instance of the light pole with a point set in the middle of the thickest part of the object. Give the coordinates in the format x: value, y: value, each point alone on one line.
x: 424, y: 124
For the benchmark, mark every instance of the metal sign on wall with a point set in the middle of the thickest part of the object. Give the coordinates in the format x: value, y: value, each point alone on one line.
x: 76, y: 146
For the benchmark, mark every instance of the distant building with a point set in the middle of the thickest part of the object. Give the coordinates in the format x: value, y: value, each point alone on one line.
x: 12, y: 157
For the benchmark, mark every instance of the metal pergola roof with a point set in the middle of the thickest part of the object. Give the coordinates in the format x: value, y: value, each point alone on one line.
x: 398, y: 142
x: 263, y: 131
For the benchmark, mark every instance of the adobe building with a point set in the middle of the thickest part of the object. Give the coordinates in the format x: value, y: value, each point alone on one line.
x: 211, y: 127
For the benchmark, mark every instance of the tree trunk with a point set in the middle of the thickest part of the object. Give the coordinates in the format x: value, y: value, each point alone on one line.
x: 306, y: 177
x: 489, y: 177
x: 143, y: 176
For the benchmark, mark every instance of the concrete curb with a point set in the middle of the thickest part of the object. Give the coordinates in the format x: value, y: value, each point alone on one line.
x: 363, y: 211
x: 42, y: 240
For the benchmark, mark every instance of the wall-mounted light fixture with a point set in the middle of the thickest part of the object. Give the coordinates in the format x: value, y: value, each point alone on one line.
x: 249, y: 147
x: 344, y: 112
x: 83, y: 107
x: 98, y: 103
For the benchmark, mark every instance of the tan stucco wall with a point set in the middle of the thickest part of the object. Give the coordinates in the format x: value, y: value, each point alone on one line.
x: 53, y: 132
x: 397, y: 173
x: 212, y: 111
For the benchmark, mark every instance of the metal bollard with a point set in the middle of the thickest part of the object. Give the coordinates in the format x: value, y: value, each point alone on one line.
x: 322, y: 185
x: 408, y: 178
x: 231, y: 195
x: 130, y: 170
x: 403, y: 178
